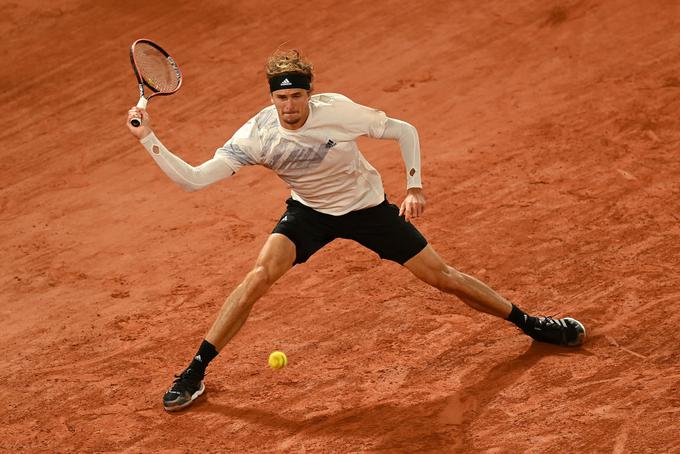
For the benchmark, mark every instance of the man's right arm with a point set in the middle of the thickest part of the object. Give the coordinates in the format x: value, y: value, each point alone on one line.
x: 190, y: 178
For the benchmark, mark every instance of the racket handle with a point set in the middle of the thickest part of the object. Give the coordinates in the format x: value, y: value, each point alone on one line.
x: 141, y: 104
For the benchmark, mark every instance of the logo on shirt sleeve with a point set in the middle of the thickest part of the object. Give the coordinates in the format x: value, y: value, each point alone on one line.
x: 331, y: 143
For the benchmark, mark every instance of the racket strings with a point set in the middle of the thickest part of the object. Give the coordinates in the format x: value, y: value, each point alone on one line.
x: 159, y: 71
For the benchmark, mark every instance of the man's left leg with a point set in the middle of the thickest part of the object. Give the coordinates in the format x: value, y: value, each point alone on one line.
x: 429, y: 267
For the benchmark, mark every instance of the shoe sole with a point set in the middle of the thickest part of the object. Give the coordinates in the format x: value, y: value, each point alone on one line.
x: 581, y: 333
x: 194, y: 396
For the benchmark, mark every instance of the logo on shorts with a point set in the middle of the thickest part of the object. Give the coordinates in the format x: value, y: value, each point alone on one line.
x: 285, y: 218
x: 331, y: 143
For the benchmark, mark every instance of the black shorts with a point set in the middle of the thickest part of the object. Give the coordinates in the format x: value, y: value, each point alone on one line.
x: 379, y: 228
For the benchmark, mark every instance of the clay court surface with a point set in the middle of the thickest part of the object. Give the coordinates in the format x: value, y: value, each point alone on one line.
x: 550, y: 137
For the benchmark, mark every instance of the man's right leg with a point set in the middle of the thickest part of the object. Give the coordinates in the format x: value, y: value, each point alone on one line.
x: 276, y: 257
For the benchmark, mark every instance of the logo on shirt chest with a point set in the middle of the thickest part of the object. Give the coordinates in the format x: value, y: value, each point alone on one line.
x: 331, y: 143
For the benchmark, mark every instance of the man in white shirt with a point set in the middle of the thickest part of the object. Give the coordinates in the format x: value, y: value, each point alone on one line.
x: 309, y: 141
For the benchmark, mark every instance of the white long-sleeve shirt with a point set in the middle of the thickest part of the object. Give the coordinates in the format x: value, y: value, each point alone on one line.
x: 319, y: 161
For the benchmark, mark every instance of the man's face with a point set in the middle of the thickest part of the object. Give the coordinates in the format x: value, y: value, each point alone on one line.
x: 292, y: 105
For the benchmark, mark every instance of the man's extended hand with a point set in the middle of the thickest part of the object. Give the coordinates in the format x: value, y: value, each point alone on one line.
x: 142, y: 130
x: 413, y: 205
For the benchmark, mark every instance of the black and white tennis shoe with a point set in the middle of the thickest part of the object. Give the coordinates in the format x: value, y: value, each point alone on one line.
x: 184, y: 390
x: 562, y: 331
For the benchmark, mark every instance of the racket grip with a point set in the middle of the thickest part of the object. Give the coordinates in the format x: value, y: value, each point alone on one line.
x: 141, y: 104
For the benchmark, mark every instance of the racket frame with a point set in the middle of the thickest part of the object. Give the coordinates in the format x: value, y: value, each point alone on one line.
x: 141, y: 82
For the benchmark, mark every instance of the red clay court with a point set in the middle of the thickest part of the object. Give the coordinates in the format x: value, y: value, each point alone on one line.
x: 549, y: 133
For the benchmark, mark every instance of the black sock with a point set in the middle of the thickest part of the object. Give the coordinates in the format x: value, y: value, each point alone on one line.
x: 206, y: 353
x: 520, y: 318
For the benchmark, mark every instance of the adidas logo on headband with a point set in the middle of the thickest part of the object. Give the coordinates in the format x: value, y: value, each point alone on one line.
x: 290, y: 80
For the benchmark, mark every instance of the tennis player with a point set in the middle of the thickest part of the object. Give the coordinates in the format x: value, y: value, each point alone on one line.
x: 309, y: 141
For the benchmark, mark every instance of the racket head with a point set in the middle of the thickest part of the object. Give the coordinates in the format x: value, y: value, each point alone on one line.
x: 154, y: 69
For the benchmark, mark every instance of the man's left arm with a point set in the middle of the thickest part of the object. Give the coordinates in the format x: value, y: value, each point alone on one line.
x: 413, y: 205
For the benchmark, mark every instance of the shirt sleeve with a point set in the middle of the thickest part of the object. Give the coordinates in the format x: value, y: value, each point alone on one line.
x: 409, y: 145
x: 190, y: 178
x: 358, y: 120
x: 243, y: 149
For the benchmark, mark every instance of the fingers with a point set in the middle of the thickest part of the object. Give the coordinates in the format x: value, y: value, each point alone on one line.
x: 136, y: 112
x: 408, y: 211
x: 411, y: 209
x: 144, y: 128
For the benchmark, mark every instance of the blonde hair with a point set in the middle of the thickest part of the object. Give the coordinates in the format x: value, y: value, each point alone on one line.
x: 288, y: 61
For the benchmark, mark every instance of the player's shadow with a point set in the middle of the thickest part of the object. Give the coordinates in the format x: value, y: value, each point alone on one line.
x: 439, y: 425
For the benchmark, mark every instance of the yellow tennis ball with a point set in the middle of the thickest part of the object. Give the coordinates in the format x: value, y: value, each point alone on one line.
x: 277, y: 360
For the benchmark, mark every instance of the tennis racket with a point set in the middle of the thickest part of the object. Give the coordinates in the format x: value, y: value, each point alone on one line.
x: 155, y: 70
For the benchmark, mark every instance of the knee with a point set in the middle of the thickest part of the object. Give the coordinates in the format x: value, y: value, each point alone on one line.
x: 258, y: 279
x: 448, y: 279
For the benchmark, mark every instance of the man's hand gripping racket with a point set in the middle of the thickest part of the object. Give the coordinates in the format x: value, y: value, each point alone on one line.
x: 156, y: 71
